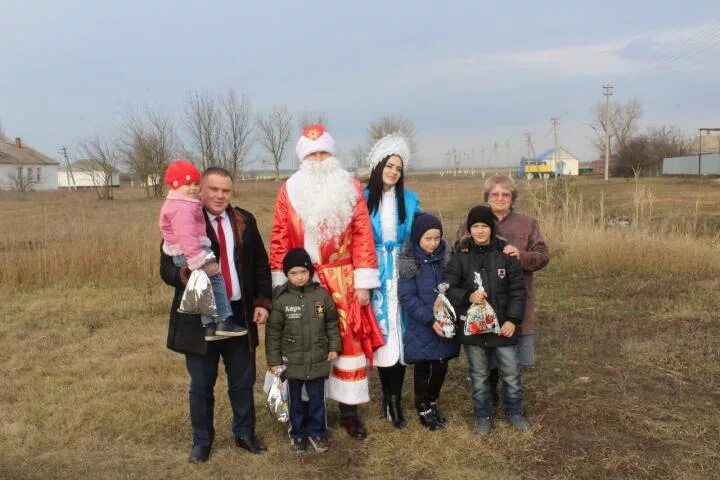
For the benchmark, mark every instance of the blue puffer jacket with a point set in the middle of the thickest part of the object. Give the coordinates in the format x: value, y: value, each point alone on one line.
x: 420, y: 275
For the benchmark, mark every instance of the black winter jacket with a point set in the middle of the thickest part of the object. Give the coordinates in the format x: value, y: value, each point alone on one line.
x: 185, y: 332
x: 302, y: 330
x: 502, y: 279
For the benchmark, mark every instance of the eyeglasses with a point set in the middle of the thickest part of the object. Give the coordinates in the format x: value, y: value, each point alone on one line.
x: 500, y: 195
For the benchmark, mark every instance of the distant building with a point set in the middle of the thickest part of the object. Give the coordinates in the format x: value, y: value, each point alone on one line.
x: 23, y: 168
x: 88, y: 174
x: 549, y: 164
x: 707, y: 164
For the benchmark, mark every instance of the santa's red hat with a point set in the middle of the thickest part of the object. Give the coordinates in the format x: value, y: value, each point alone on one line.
x: 181, y: 172
x: 314, y: 139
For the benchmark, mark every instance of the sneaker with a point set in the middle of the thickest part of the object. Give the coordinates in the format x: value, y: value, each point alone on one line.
x: 483, y: 425
x: 438, y: 413
x: 519, y: 422
x: 427, y: 418
x: 211, y: 334
x: 228, y: 328
x: 320, y: 444
x: 298, y: 445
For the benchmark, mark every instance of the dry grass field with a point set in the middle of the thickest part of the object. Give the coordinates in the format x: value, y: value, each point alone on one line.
x: 627, y: 382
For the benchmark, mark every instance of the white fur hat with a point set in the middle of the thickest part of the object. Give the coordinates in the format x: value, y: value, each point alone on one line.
x: 393, y: 144
x: 314, y: 139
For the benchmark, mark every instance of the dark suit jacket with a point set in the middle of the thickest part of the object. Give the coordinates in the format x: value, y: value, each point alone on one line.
x: 185, y: 332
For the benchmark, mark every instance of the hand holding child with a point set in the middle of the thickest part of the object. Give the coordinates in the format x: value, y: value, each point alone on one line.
x: 332, y: 356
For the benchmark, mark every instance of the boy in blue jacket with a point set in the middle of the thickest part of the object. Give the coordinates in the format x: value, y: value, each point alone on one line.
x: 421, y: 269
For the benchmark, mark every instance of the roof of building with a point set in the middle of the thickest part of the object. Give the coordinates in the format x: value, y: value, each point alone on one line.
x: 89, y: 165
x: 548, y: 154
x: 11, y: 154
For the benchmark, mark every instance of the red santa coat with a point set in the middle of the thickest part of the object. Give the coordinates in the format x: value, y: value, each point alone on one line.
x: 342, y: 264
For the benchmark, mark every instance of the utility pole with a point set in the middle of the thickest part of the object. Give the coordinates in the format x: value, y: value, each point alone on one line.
x: 556, y: 152
x: 608, y: 94
x: 68, y: 171
x: 530, y: 148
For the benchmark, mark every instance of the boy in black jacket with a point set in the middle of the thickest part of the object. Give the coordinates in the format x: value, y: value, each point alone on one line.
x: 302, y: 334
x: 504, y: 287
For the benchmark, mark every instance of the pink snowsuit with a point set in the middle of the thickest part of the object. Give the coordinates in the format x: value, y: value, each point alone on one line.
x: 182, y: 224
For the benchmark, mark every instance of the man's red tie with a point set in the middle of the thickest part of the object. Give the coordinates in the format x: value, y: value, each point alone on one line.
x: 224, y: 263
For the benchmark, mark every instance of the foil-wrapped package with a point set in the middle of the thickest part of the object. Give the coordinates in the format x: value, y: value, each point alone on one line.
x: 198, y: 296
x: 481, y: 317
x: 277, y: 401
x: 444, y: 312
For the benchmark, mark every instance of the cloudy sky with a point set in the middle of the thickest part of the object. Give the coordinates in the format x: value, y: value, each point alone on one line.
x: 467, y: 73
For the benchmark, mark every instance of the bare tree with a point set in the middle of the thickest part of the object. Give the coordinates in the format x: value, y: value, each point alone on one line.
x: 643, y: 154
x: 103, y: 159
x: 621, y: 127
x: 391, y: 124
x: 237, y: 134
x: 204, y: 120
x: 149, y: 144
x: 274, y: 130
x: 22, y: 180
x: 3, y: 135
x: 307, y: 118
x: 358, y: 156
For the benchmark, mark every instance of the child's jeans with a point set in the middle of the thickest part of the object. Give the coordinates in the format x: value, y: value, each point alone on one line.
x: 509, y: 370
x: 313, y: 409
x: 222, y: 303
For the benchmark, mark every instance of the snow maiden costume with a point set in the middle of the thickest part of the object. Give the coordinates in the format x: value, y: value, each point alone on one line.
x: 390, y: 229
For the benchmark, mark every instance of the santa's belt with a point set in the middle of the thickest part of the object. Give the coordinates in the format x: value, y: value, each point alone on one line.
x: 339, y: 263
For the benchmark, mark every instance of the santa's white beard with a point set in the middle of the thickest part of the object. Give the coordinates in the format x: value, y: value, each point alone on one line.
x: 326, y: 198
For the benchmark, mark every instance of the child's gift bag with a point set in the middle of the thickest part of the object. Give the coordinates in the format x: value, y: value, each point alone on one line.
x: 277, y: 401
x: 198, y: 296
x: 444, y: 312
x: 481, y: 317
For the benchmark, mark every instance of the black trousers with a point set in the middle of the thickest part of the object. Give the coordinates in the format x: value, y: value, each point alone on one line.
x: 239, y: 363
x: 429, y: 377
x: 391, y: 379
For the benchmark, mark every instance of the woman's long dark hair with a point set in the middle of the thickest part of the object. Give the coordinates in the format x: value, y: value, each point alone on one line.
x: 375, y: 189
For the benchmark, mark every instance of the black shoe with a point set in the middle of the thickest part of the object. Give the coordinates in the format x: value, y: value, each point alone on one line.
x: 252, y: 444
x: 298, y: 445
x: 228, y: 328
x: 427, y: 417
x: 210, y: 334
x: 396, y: 413
x: 354, y: 426
x: 438, y: 414
x: 199, y: 454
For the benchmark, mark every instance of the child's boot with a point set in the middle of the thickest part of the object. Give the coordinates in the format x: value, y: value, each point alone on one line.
x: 228, y: 328
x: 436, y: 411
x: 396, y: 413
x: 210, y: 333
x: 427, y: 417
x: 519, y: 422
x: 482, y: 426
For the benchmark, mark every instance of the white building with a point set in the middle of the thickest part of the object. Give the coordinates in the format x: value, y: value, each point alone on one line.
x: 23, y: 168
x: 87, y: 174
x: 564, y: 163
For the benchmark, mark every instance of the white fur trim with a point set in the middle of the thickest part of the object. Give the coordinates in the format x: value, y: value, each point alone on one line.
x: 278, y: 278
x: 348, y: 392
x: 393, y: 144
x: 305, y: 146
x: 367, y: 278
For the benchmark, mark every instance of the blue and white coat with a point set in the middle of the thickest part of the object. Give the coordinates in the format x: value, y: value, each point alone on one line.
x: 390, y: 235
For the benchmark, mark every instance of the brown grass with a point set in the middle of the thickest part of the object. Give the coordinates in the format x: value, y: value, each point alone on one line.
x: 627, y: 382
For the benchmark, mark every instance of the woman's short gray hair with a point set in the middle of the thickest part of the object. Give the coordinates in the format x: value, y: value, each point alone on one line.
x: 504, y: 181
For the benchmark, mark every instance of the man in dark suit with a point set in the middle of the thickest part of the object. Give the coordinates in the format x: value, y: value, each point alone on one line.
x: 243, y: 262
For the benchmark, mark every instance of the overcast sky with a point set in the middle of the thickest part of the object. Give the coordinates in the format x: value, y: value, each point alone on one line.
x: 467, y: 73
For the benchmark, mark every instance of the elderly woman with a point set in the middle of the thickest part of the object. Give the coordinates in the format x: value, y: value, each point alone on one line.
x: 526, y: 243
x: 392, y: 209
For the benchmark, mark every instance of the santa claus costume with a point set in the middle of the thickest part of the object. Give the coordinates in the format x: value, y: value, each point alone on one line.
x: 321, y: 209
